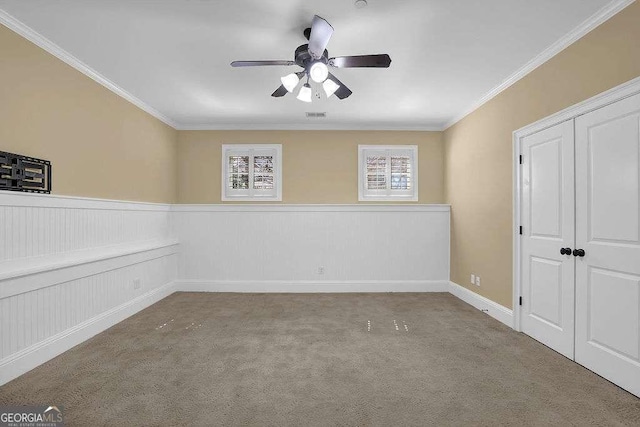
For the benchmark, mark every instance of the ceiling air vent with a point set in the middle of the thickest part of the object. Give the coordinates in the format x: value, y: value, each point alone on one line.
x: 311, y: 115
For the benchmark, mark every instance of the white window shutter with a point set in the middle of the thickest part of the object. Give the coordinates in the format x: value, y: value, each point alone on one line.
x: 252, y: 172
x: 387, y: 173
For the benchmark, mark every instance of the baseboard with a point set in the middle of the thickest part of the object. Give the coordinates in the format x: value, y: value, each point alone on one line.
x: 302, y: 286
x: 493, y: 309
x: 37, y: 354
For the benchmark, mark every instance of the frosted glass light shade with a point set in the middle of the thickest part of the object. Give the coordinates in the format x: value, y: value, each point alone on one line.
x: 319, y: 72
x: 305, y: 93
x: 330, y: 87
x: 290, y: 81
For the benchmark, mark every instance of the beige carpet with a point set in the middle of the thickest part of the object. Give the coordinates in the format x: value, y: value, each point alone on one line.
x: 278, y: 359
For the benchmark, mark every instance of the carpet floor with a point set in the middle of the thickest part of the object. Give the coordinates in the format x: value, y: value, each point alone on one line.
x: 318, y: 360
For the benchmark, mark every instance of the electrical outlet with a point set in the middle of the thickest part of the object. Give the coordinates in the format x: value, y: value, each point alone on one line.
x: 321, y: 270
x: 477, y: 280
x: 473, y: 279
x: 137, y: 283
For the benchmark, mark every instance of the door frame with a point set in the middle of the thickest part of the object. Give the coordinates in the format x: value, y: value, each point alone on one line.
x: 625, y: 90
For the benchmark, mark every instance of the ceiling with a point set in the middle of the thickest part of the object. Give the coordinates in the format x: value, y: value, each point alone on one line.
x: 172, y: 57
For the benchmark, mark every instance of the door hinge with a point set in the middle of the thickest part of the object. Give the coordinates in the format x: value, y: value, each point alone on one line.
x: 520, y: 300
x: 521, y: 159
x: 520, y: 229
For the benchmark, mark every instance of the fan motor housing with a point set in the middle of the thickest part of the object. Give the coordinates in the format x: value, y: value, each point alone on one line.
x: 303, y: 57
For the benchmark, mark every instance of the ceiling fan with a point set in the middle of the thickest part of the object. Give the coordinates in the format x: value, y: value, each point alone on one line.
x: 314, y: 59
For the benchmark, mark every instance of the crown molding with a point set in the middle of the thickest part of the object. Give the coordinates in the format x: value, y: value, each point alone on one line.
x: 39, y: 40
x: 567, y: 40
x: 588, y: 25
x: 319, y: 126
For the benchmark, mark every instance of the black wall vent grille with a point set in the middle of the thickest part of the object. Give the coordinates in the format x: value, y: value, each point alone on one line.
x: 22, y: 173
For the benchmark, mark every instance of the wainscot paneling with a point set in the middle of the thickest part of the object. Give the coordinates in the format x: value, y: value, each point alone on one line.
x: 34, y: 225
x: 72, y: 267
x: 313, y: 248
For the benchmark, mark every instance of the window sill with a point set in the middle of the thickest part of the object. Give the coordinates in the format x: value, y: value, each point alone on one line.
x: 251, y: 199
x: 388, y: 199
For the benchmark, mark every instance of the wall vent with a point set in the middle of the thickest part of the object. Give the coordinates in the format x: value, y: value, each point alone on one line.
x: 312, y: 115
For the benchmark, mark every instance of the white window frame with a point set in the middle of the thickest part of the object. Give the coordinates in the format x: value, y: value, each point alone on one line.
x: 365, y: 195
x: 251, y: 194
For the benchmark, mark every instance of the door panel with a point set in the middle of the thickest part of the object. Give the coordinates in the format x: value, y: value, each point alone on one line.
x: 613, y: 300
x: 546, y: 194
x: 607, y: 228
x: 613, y: 168
x: 546, y: 296
x: 548, y: 225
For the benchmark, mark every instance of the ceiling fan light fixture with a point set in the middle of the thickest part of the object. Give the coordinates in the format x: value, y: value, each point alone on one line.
x: 290, y: 81
x: 330, y: 87
x: 318, y: 72
x: 305, y: 93
x: 314, y: 60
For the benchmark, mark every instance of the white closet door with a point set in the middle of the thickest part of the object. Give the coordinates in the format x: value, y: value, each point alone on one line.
x: 548, y: 226
x: 608, y: 230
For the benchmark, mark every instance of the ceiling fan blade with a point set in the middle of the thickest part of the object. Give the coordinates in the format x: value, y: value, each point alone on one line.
x: 343, y: 91
x: 376, y: 61
x: 321, y: 32
x: 281, y: 91
x: 260, y: 63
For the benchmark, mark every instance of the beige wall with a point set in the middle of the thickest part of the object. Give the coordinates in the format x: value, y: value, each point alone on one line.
x: 478, y: 159
x: 100, y: 145
x: 318, y: 166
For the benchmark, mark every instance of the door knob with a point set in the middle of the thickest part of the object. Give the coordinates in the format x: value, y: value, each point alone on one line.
x: 565, y: 251
x: 578, y: 252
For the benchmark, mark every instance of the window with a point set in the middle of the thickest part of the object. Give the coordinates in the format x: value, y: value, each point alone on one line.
x: 252, y: 172
x: 387, y: 172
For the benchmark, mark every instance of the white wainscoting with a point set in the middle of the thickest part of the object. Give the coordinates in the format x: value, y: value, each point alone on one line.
x: 72, y: 267
x: 313, y: 248
x: 33, y: 225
